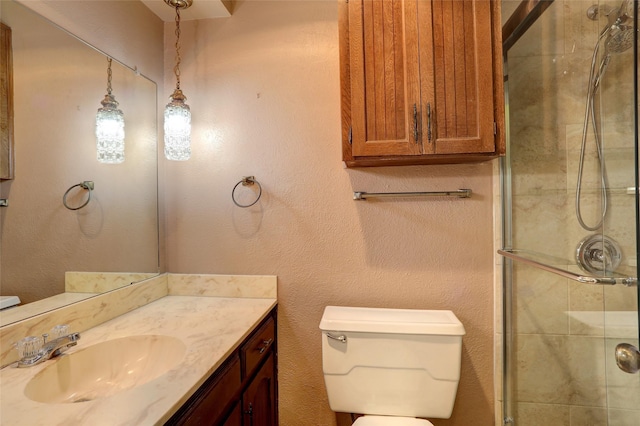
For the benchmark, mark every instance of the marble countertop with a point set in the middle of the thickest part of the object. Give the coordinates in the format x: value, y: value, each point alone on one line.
x: 210, y: 327
x: 23, y: 312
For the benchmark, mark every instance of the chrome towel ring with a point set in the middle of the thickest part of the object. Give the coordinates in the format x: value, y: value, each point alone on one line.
x: 246, y: 181
x: 88, y: 185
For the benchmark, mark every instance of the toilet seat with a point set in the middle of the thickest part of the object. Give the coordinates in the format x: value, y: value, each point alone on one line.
x: 390, y: 421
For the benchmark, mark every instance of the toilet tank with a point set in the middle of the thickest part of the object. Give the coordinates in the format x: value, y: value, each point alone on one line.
x: 396, y: 362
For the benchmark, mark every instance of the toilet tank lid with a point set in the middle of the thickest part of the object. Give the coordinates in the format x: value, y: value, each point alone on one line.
x: 385, y: 320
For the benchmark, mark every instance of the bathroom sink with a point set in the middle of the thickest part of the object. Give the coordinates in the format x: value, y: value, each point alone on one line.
x: 105, y: 369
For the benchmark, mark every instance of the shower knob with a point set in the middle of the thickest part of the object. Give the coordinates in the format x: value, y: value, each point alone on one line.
x: 598, y: 254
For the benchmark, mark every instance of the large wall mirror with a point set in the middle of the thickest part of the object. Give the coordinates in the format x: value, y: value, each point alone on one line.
x: 51, y: 255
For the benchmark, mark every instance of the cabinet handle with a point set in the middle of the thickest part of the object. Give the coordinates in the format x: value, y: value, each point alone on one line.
x: 249, y: 412
x: 415, y: 123
x: 429, y: 122
x: 265, y: 344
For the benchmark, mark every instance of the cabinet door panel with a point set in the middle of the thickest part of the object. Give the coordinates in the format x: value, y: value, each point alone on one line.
x: 259, y: 399
x: 235, y: 417
x: 385, y: 83
x: 213, y: 397
x: 463, y: 119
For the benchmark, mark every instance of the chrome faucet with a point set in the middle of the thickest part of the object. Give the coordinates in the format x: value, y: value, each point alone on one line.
x: 34, y: 350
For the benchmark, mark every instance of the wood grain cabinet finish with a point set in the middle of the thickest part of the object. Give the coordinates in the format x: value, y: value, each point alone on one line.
x: 421, y: 81
x: 243, y: 390
x: 258, y: 400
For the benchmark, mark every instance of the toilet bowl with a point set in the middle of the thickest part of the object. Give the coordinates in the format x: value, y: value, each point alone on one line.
x: 395, y: 366
x: 390, y: 421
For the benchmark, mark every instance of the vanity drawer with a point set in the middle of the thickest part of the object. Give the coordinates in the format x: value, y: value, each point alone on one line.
x: 257, y: 348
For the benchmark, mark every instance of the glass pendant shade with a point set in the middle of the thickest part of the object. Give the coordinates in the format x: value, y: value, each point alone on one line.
x: 110, y: 132
x: 177, y: 128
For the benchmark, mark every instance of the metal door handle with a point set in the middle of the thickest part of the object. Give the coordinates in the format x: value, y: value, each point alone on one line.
x: 341, y: 338
x: 628, y: 358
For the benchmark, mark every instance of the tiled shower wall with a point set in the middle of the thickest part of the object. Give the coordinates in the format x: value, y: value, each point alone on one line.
x: 564, y: 372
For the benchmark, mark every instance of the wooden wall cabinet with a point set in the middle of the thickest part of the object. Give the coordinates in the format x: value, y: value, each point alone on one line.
x: 421, y: 81
x: 243, y: 390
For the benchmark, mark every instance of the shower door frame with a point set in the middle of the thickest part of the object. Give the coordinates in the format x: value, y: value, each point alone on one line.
x: 522, y: 19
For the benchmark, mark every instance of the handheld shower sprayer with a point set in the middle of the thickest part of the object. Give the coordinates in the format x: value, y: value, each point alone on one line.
x: 619, y: 28
x: 617, y: 37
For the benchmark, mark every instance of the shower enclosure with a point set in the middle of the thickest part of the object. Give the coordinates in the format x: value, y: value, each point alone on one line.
x: 570, y: 214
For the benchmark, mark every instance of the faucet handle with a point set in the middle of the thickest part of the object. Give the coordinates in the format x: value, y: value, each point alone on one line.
x: 59, y: 331
x: 29, y: 346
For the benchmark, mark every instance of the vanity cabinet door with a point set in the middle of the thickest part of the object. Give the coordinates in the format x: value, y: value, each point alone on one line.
x: 235, y: 417
x: 385, y: 77
x: 259, y: 399
x: 462, y: 108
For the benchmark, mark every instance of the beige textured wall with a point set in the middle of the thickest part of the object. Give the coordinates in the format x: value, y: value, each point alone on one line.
x: 263, y: 87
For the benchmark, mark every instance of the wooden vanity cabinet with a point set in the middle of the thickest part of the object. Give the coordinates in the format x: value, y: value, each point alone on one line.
x: 421, y: 81
x: 257, y: 359
x: 243, y: 390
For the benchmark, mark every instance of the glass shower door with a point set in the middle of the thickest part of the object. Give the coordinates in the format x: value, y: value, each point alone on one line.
x: 570, y: 211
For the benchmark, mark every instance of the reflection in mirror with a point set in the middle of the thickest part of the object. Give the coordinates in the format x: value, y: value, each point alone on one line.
x: 51, y: 255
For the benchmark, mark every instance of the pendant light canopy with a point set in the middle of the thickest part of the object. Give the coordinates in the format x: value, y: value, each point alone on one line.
x: 110, y: 127
x: 177, y: 115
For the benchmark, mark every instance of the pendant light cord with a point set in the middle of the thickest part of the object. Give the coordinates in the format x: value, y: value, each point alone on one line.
x: 176, y: 69
x: 109, y: 76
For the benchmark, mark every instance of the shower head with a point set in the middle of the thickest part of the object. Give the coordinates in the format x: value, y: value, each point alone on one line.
x: 618, y: 33
x: 620, y: 38
x: 621, y: 35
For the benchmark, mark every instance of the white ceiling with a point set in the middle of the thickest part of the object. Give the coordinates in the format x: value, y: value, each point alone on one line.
x: 200, y: 9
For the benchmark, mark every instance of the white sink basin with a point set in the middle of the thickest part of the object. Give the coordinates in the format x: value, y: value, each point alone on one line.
x: 106, y: 368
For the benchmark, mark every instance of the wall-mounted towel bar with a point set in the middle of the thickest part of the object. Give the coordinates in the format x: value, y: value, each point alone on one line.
x: 460, y: 193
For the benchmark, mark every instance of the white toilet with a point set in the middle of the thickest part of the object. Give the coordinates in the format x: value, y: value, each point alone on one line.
x: 392, y: 365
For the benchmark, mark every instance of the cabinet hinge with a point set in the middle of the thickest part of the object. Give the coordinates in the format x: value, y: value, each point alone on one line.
x: 415, y: 123
x: 495, y: 128
x: 350, y: 135
x: 429, y: 122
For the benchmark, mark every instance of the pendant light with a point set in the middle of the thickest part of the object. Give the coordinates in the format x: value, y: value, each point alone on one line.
x: 110, y: 127
x: 177, y: 115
